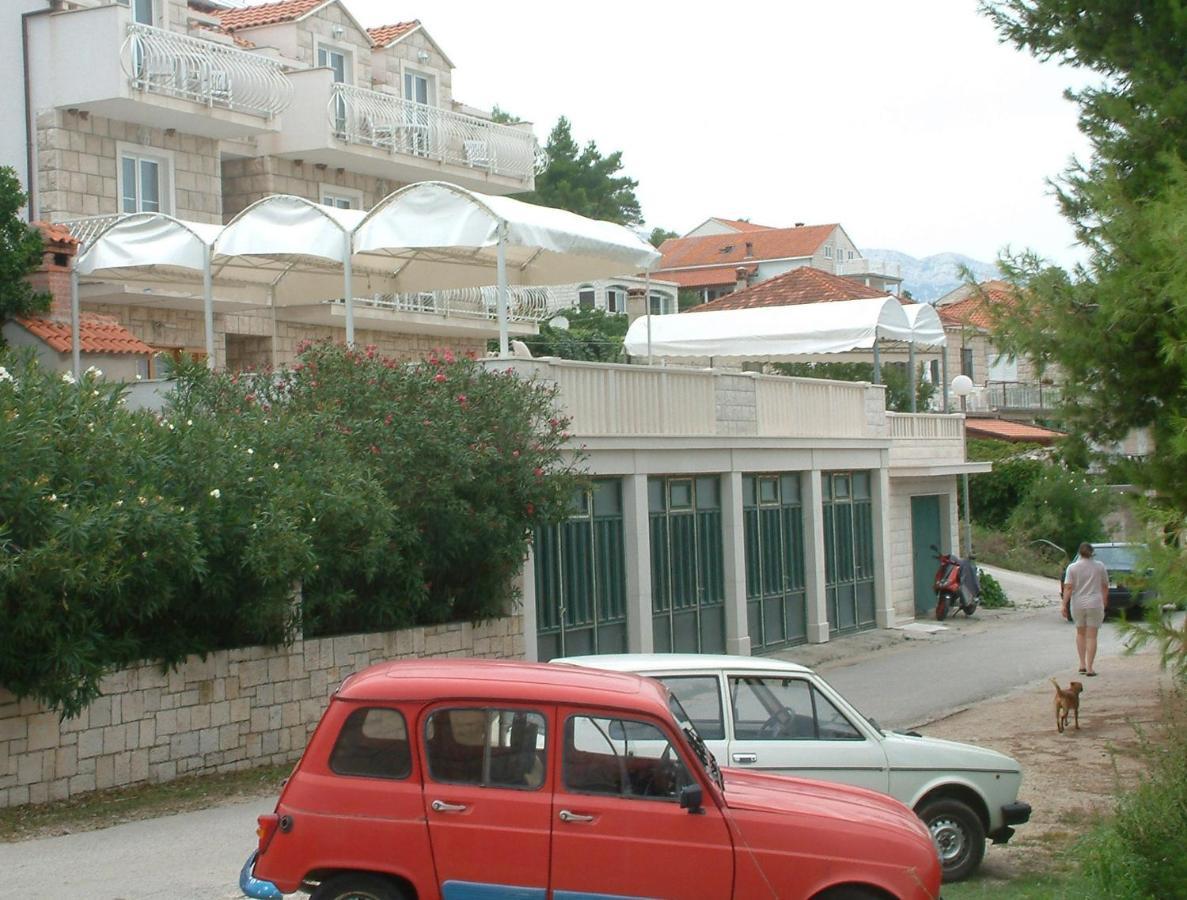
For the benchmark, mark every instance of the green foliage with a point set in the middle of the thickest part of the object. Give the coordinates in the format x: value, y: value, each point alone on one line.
x: 593, y: 334
x: 503, y: 117
x: 1167, y: 560
x: 1136, y: 854
x: 894, y: 376
x: 999, y: 548
x: 1062, y: 507
x: 582, y: 180
x: 659, y: 235
x: 994, y: 495
x: 687, y: 298
x: 992, y: 594
x: 392, y: 494
x: 20, y: 253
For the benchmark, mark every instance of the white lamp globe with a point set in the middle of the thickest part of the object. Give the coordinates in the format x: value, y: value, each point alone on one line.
x: 962, y: 385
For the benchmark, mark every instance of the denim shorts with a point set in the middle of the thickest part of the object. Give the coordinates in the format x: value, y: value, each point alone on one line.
x: 1092, y: 618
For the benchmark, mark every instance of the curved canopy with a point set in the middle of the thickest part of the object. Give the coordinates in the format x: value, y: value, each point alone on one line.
x: 284, y: 225
x: 772, y: 331
x: 143, y: 243
x: 926, y: 327
x: 445, y: 236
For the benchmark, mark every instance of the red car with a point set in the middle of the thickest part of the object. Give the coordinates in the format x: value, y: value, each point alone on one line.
x: 476, y: 780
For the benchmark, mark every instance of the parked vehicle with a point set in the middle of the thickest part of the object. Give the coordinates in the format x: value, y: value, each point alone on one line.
x: 1128, y: 590
x: 460, y: 778
x: 957, y: 585
x: 778, y: 717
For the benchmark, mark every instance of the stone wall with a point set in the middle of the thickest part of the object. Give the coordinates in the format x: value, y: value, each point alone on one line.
x: 245, y: 181
x: 234, y: 710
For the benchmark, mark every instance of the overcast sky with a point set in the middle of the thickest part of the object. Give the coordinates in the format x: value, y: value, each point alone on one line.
x: 904, y: 120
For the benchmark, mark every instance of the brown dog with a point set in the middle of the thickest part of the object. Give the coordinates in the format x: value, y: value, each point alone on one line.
x: 1067, y: 702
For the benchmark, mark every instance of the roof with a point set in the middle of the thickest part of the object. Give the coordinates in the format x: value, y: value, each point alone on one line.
x: 1005, y: 430
x: 652, y: 663
x: 484, y: 679
x: 97, y: 334
x: 803, y: 285
x: 52, y: 233
x: 267, y: 13
x: 973, y: 304
x: 722, y: 249
x: 742, y: 224
x: 383, y: 35
x: 708, y: 277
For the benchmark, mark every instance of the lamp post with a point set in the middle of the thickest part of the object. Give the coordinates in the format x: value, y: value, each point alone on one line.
x: 962, y: 386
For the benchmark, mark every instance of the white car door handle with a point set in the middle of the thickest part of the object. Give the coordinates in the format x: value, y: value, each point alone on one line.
x: 567, y: 816
x: 442, y: 806
x: 745, y: 757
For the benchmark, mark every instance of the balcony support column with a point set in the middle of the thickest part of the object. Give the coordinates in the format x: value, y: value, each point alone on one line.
x: 737, y: 625
x: 348, y: 286
x: 208, y: 307
x: 636, y: 520
x: 944, y: 376
x: 815, y: 577
x: 911, y: 374
x: 877, y: 363
x: 75, y: 326
x: 501, y: 298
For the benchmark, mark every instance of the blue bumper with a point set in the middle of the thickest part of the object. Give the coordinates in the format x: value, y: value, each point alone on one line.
x: 254, y: 887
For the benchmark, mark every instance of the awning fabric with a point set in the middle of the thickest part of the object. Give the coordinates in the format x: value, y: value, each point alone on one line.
x: 772, y: 331
x: 926, y: 327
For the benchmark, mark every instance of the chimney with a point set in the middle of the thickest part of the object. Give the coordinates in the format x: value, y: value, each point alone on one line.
x: 749, y: 250
x: 636, y: 303
x: 53, y: 276
x: 799, y: 224
x: 743, y: 281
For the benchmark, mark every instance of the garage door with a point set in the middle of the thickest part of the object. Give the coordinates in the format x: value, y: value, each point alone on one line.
x: 776, y: 601
x: 848, y: 551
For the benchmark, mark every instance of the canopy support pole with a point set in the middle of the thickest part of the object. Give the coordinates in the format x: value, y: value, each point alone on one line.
x: 75, y: 326
x: 348, y: 286
x: 647, y: 310
x: 208, y: 307
x: 501, y: 297
x: 911, y: 374
x: 877, y: 363
x: 944, y: 376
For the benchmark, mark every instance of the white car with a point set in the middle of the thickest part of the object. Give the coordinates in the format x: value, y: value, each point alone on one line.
x: 782, y: 718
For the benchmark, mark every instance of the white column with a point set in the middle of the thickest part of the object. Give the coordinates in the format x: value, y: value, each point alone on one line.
x: 75, y: 326
x: 880, y: 513
x: 527, y: 578
x: 814, y: 573
x: 348, y: 287
x: 737, y: 624
x: 208, y: 308
x: 636, y: 529
x: 501, y: 275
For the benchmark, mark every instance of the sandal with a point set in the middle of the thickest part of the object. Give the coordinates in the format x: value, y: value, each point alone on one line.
x: 1090, y: 674
x: 1083, y: 671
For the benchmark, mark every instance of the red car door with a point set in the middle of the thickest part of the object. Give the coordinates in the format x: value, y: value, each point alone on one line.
x: 488, y: 800
x: 617, y: 826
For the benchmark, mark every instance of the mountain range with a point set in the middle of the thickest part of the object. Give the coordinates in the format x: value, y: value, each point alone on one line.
x: 933, y: 276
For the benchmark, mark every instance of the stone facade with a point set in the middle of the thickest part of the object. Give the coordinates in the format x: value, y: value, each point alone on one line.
x: 232, y: 710
x: 78, y: 158
x: 245, y: 181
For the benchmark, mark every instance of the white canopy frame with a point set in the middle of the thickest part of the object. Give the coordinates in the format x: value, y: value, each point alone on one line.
x: 425, y: 236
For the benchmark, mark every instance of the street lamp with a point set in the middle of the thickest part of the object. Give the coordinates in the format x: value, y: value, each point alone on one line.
x: 962, y: 386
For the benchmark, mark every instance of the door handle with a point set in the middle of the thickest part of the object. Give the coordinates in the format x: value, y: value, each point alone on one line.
x: 442, y: 806
x: 567, y: 816
x: 745, y: 757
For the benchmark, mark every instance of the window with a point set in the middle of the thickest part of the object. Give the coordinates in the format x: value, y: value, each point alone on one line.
x: 700, y: 695
x: 616, y: 299
x: 660, y: 304
x: 621, y: 757
x: 417, y: 121
x: 585, y: 297
x: 828, y: 251
x: 341, y: 198
x: 373, y: 743
x: 782, y: 709
x: 145, y: 183
x: 142, y: 12
x: 966, y: 361
x: 486, y: 747
x: 851, y: 255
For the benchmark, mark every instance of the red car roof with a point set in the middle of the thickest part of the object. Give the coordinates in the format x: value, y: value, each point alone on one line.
x: 482, y: 679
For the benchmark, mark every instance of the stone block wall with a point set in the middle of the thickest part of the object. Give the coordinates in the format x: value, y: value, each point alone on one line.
x: 233, y: 710
x: 245, y: 181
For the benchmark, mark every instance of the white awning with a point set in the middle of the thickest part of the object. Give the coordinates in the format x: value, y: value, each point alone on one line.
x: 772, y: 332
x: 926, y: 327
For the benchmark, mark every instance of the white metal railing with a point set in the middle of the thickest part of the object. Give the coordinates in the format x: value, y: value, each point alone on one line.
x: 524, y: 304
x: 164, y: 62
x: 361, y: 116
x: 879, y: 267
x: 85, y: 229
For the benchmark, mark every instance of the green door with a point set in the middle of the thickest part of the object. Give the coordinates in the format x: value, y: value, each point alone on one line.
x: 848, y: 551
x: 925, y: 534
x: 776, y: 600
x: 581, y: 577
x: 687, y: 565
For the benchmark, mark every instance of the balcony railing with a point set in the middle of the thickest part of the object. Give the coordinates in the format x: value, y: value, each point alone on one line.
x: 84, y: 230
x: 374, y: 119
x: 524, y: 304
x: 880, y: 267
x: 162, y: 62
x: 1014, y: 395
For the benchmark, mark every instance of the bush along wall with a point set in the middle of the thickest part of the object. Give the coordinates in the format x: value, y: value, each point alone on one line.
x: 394, y: 494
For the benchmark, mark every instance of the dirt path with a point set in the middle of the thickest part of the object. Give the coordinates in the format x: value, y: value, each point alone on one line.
x: 1068, y: 778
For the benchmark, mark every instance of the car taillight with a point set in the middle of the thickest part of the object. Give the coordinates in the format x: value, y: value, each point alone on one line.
x: 265, y: 829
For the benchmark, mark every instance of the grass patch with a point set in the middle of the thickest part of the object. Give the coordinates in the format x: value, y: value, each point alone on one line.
x: 101, y: 809
x: 1030, y: 886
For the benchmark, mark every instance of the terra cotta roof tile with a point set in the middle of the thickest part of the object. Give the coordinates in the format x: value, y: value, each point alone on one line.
x: 97, y: 334
x: 743, y: 225
x: 975, y: 309
x: 53, y: 233
x: 764, y: 243
x: 383, y: 35
x: 266, y: 13
x: 1005, y: 430
x: 802, y: 285
x: 708, y: 277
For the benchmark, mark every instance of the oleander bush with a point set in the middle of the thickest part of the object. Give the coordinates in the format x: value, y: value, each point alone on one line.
x: 391, y: 494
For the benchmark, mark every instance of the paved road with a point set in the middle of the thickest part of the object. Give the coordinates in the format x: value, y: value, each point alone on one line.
x: 908, y: 681
x: 990, y: 655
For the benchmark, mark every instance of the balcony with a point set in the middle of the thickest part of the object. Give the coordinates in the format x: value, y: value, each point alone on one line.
x: 922, y: 441
x: 1019, y: 397
x: 877, y: 268
x: 97, y: 60
x: 386, y: 136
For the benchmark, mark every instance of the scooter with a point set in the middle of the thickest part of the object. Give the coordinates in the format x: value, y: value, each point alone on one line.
x: 956, y: 585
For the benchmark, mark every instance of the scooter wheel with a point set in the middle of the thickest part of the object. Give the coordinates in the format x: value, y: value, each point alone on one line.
x: 970, y: 609
x: 941, y: 608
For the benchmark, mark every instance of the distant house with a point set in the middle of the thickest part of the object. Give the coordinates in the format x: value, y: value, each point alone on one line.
x: 612, y: 295
x: 720, y: 256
